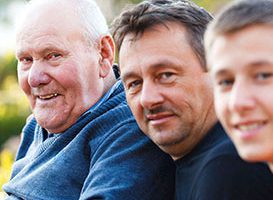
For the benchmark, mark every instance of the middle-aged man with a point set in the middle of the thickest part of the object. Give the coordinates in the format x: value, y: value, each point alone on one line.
x: 241, y: 40
x: 168, y: 89
x: 83, y: 142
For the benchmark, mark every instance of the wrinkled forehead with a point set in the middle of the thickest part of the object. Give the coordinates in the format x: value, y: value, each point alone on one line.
x: 47, y: 15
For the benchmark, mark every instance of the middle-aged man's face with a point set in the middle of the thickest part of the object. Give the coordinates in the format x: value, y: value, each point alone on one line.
x: 57, y: 69
x: 242, y: 71
x: 166, y: 88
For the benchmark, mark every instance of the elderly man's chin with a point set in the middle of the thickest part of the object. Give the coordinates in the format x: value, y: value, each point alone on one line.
x: 53, y: 120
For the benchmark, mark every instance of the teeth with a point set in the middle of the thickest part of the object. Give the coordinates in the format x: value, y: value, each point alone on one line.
x: 48, y: 96
x: 249, y: 127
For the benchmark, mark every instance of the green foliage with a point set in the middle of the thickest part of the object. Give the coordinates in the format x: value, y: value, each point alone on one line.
x: 13, y: 104
x: 7, y: 67
x: 211, y: 5
x: 135, y: 1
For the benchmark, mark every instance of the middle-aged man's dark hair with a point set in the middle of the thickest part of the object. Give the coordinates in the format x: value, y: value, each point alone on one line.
x: 146, y: 15
x: 238, y: 15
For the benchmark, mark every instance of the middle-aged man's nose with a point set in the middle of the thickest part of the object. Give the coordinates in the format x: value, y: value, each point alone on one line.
x: 150, y: 95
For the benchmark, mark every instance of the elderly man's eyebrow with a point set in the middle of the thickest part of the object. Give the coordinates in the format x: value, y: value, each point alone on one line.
x: 41, y: 51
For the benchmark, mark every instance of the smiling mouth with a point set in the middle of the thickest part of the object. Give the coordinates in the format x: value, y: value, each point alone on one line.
x: 47, y: 97
x: 159, y: 119
x: 250, y: 127
x: 159, y: 116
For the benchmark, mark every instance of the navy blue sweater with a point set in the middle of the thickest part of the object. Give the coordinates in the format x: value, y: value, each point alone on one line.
x: 103, y: 156
x: 214, y: 171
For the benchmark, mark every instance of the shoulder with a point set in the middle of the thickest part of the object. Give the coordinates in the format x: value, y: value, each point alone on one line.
x: 143, y: 169
x: 225, y: 174
x: 27, y: 136
x: 224, y: 160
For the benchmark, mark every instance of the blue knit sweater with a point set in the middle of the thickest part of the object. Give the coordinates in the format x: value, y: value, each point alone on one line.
x: 103, y: 156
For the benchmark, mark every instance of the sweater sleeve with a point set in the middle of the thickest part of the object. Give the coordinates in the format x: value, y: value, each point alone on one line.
x: 127, y: 165
x: 27, y: 137
x: 228, y: 177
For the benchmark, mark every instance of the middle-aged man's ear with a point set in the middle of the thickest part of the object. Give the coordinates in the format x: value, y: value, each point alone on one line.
x: 107, y: 54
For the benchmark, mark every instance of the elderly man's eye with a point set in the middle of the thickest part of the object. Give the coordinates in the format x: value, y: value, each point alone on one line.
x: 26, y: 60
x: 53, y: 56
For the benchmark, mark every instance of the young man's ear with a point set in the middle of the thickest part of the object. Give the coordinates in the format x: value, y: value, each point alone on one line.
x: 107, y: 55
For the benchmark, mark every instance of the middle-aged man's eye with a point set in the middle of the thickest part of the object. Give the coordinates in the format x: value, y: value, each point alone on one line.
x: 133, y: 85
x: 166, y: 77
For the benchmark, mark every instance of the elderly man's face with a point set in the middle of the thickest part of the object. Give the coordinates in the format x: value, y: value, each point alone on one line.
x: 57, y: 69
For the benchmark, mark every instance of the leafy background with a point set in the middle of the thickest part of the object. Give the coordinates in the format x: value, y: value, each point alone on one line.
x: 14, y: 107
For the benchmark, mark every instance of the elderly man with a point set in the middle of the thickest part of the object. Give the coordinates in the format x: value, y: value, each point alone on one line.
x: 169, y: 91
x: 83, y: 142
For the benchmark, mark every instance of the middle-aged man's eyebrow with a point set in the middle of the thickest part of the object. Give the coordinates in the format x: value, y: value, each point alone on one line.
x: 160, y: 64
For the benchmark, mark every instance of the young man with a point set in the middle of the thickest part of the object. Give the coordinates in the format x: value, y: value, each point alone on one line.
x: 239, y: 48
x: 169, y: 91
x: 83, y: 142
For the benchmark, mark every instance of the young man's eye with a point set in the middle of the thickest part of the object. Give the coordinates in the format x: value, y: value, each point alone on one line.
x: 263, y: 75
x: 225, y: 83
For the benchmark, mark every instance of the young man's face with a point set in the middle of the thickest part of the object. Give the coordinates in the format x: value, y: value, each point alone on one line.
x: 167, y: 90
x: 241, y: 66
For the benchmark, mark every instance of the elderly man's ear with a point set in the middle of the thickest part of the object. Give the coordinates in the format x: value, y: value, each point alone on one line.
x: 107, y: 54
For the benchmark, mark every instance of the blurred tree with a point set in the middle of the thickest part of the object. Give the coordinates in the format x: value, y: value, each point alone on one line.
x: 7, y: 67
x: 13, y: 104
x: 211, y: 5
